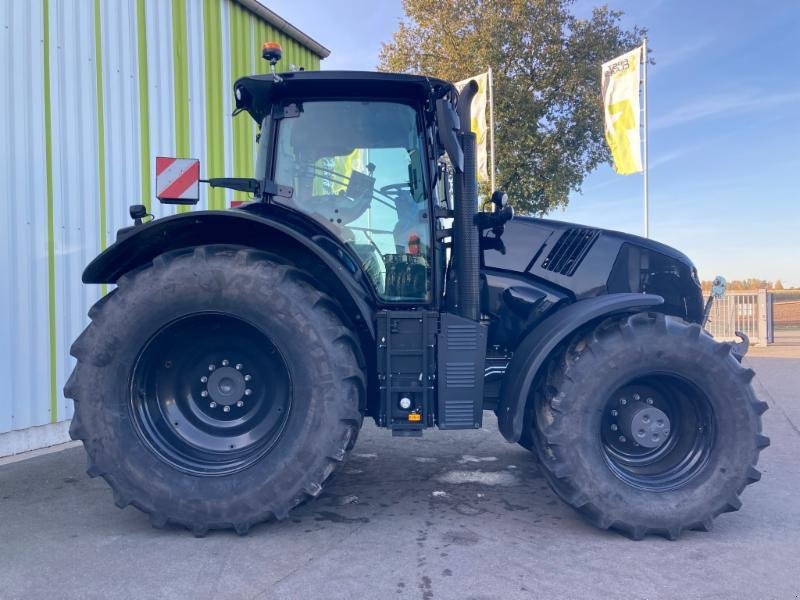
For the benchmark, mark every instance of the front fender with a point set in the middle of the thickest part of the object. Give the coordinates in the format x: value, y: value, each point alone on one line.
x: 538, y: 345
x: 137, y: 246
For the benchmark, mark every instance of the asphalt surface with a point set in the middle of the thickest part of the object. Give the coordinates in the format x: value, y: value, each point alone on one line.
x: 453, y: 515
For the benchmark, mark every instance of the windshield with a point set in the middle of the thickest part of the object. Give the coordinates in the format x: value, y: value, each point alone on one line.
x: 357, y: 168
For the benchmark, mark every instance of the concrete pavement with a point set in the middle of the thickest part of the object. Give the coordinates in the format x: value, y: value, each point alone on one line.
x: 453, y: 515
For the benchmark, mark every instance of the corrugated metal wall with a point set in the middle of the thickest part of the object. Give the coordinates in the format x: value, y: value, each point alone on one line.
x: 94, y: 90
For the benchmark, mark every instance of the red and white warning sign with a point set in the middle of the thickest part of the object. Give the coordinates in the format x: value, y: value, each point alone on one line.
x: 177, y: 180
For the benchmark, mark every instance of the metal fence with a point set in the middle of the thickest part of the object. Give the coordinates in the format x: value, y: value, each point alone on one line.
x: 747, y: 311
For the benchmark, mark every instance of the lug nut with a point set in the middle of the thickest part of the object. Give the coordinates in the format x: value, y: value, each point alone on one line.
x: 649, y: 400
x: 225, y: 363
x: 614, y: 427
x: 636, y: 397
x: 211, y: 367
x: 248, y: 377
x: 239, y: 366
x: 212, y: 405
x: 203, y: 379
x: 240, y: 404
x: 226, y: 408
x: 248, y: 392
x: 204, y: 394
x: 623, y: 401
x: 622, y: 439
x: 614, y: 412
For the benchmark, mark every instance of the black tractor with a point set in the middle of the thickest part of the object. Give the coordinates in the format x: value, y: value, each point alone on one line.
x: 226, y: 376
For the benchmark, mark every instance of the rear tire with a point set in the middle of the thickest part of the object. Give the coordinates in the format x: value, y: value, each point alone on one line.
x: 154, y: 417
x: 608, y: 388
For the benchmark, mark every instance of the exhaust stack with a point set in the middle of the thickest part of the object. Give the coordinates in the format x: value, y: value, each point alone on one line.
x: 465, y: 231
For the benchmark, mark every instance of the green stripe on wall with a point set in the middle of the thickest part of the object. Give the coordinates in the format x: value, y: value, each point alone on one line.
x: 180, y: 78
x: 243, y: 131
x: 101, y: 130
x: 51, y: 243
x: 259, y: 38
x: 215, y: 141
x: 144, y: 103
x: 101, y: 126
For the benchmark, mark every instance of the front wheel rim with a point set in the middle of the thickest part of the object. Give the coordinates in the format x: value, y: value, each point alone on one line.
x: 657, y: 432
x: 210, y: 394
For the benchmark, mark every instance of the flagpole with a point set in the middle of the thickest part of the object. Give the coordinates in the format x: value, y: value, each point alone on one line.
x: 491, y: 131
x: 644, y: 145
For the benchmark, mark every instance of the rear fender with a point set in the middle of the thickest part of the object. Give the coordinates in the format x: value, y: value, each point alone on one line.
x: 539, y: 344
x: 321, y: 255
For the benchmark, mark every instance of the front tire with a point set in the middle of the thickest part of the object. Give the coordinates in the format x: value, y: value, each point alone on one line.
x: 646, y: 425
x: 216, y: 388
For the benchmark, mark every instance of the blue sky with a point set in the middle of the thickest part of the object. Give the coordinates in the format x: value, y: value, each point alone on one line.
x: 724, y: 112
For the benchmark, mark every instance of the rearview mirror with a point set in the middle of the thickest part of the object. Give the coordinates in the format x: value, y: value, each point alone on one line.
x: 177, y: 180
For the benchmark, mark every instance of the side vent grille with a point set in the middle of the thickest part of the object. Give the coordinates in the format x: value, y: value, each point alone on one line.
x: 570, y: 250
x: 461, y: 359
x: 460, y: 375
x: 462, y: 337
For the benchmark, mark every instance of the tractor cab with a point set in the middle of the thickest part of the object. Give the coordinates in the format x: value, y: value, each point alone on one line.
x: 357, y: 153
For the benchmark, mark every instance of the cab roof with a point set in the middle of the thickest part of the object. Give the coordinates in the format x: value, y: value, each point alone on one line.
x: 256, y: 93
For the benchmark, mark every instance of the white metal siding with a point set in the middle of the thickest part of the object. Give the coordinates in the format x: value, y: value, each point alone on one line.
x: 197, y: 96
x: 226, y: 99
x: 121, y: 100
x: 26, y: 325
x: 24, y: 313
x: 76, y: 197
x: 161, y: 101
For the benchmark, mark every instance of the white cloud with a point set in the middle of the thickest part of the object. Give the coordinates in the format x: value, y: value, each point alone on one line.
x: 722, y: 104
x: 671, y: 56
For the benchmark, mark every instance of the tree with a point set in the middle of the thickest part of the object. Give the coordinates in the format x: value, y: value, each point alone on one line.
x: 546, y: 66
x: 778, y: 285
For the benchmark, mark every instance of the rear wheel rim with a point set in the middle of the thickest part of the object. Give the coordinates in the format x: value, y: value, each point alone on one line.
x: 210, y: 394
x: 657, y: 432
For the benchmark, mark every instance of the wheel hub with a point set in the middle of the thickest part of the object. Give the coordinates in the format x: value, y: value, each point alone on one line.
x: 226, y: 386
x: 645, y: 424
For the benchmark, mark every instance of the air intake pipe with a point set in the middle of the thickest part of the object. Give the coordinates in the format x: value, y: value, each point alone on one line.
x: 465, y: 232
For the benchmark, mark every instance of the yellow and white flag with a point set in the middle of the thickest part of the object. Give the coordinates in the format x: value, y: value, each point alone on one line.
x: 621, y: 106
x: 478, y: 126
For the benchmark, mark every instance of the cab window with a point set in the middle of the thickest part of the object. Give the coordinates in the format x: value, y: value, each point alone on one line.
x: 357, y: 168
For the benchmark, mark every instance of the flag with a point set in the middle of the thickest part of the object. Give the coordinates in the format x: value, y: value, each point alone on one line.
x: 620, y: 87
x: 478, y: 125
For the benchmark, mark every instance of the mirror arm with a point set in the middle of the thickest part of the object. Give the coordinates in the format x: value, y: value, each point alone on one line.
x: 251, y: 186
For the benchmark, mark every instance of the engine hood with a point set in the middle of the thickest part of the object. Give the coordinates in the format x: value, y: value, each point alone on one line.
x: 588, y: 261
